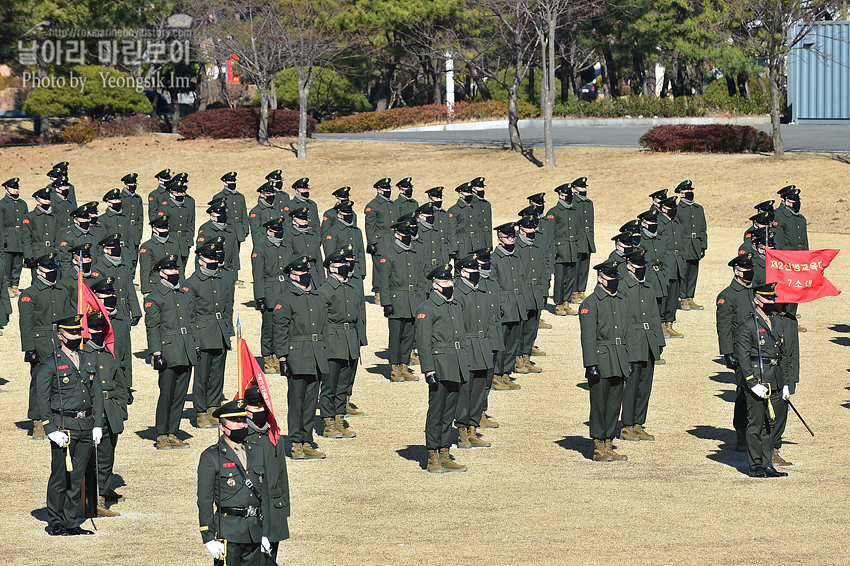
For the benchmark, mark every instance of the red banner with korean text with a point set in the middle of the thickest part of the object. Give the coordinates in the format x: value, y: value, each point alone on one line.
x: 252, y: 374
x: 87, y: 303
x: 799, y: 274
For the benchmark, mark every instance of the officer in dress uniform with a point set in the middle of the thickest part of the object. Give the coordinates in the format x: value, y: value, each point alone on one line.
x: 40, y: 229
x: 219, y: 226
x: 116, y: 220
x: 534, y: 254
x: 492, y: 289
x: 759, y: 347
x: 160, y: 245
x: 132, y: 207
x: 268, y: 261
x: 180, y: 209
x: 464, y: 220
x: 656, y: 255
x: 70, y: 405
x: 441, y: 215
x: 81, y: 262
x: 104, y: 290
x: 791, y: 230
x: 432, y: 243
x: 441, y: 336
x: 672, y: 231
x: 484, y: 209
x: 13, y: 211
x: 237, y: 213
x: 404, y: 202
x: 587, y: 244
x: 170, y: 323
x: 77, y: 234
x: 62, y: 203
x: 159, y: 194
x: 343, y: 232
x: 566, y: 245
x: 510, y: 273
x: 545, y: 229
x: 734, y: 303
x: 341, y: 195
x: 304, y: 239
x: 301, y: 199
x: 262, y: 213
x: 380, y: 213
x: 233, y: 494
x: 692, y: 218
x: 211, y: 287
x: 95, y: 227
x: 300, y: 338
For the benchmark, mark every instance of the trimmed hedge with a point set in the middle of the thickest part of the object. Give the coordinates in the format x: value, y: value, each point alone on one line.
x: 138, y: 125
x: 227, y: 123
x: 632, y: 106
x: 710, y: 138
x: 426, y: 114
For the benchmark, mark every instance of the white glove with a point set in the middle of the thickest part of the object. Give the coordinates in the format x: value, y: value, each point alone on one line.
x: 786, y: 393
x: 760, y: 390
x: 97, y: 434
x: 216, y: 548
x: 266, y: 546
x: 58, y: 438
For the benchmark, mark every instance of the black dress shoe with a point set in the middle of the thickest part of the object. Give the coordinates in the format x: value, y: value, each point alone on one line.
x: 79, y: 531
x: 772, y: 472
x: 58, y: 531
x: 757, y: 472
x: 112, y: 495
x: 130, y: 397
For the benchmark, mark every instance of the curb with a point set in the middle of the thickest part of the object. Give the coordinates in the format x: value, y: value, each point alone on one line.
x: 591, y: 122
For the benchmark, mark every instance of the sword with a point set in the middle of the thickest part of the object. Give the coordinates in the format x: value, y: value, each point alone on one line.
x: 800, y: 416
x: 69, y: 466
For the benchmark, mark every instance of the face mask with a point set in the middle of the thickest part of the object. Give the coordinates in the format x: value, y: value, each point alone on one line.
x: 238, y: 435
x: 173, y: 278
x: 14, y: 195
x: 467, y: 198
x: 530, y: 235
x: 277, y: 234
x: 386, y: 193
x: 163, y: 234
x: 110, y: 302
x: 795, y: 206
x: 437, y: 203
x: 260, y: 419
x: 509, y: 247
x: 406, y: 192
x: 116, y: 206
x: 671, y: 213
x: 221, y: 219
x: 583, y: 193
x: 474, y: 277
x: 86, y: 267
x: 305, y: 195
x: 538, y: 209
x: 63, y: 191
x: 414, y: 230
x: 769, y: 308
x: 429, y: 219
x: 651, y: 229
x: 747, y: 276
x: 627, y: 250
x: 97, y: 337
x: 114, y: 251
x: 231, y: 186
x: 268, y: 199
x: 73, y: 344
x: 480, y: 194
x: 131, y: 189
x: 636, y: 239
x: 348, y: 218
x: 447, y: 292
x: 304, y: 279
x: 50, y: 276
x: 640, y: 272
x: 405, y: 239
x: 342, y: 270
x: 484, y: 266
x: 178, y: 198
x: 612, y: 284
x: 84, y: 225
x: 568, y: 198
x: 688, y: 195
x: 212, y: 265
x: 44, y: 207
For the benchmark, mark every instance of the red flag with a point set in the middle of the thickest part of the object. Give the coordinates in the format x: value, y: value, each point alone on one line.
x: 87, y: 302
x: 252, y: 374
x: 799, y: 274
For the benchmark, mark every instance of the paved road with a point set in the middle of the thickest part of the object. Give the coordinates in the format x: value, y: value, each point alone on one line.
x: 797, y: 138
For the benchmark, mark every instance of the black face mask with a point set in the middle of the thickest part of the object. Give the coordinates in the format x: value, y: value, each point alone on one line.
x: 480, y: 194
x: 509, y: 247
x: 437, y: 203
x: 429, y: 219
x: 178, y: 198
x: 51, y: 275
x: 484, y: 266
x: 567, y: 198
x: 612, y: 284
x: 688, y: 195
x: 406, y: 192
x: 406, y: 238
x: 636, y: 239
x: 304, y: 279
x: 583, y: 193
x: 63, y: 191
x: 44, y: 207
x: 161, y: 233
x: 651, y: 229
x: 260, y: 418
x: 640, y: 272
x: 238, y: 435
x: 671, y: 213
x: 231, y: 186
x: 221, y: 219
x: 84, y: 225
x: 627, y: 250
x: 466, y: 198
x: 86, y: 267
x: 747, y: 276
x: 538, y: 208
x: 386, y: 193
x: 474, y: 277
x: 173, y: 278
x: 277, y: 234
x: 269, y: 199
x: 110, y: 302
x: 348, y: 218
x: 114, y: 251
x: 14, y: 195
x: 73, y: 344
x: 342, y: 270
x: 305, y: 195
x: 769, y: 308
x: 795, y: 205
x: 116, y: 206
x: 530, y: 235
x: 447, y: 292
x: 131, y: 188
x: 97, y: 337
x: 211, y: 265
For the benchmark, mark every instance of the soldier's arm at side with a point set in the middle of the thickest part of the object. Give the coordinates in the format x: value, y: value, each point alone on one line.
x: 587, y: 322
x: 423, y: 330
x: 725, y: 317
x: 45, y: 373
x: 97, y: 395
x: 144, y: 270
x: 135, y: 308
x: 282, y: 319
x: 743, y: 345
x: 153, y: 319
x: 26, y: 312
x: 207, y: 478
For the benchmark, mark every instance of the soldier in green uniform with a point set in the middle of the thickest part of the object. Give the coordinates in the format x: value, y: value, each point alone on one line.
x: 442, y: 221
x: 656, y: 255
x: 692, y: 218
x: 301, y: 199
x: 759, y: 348
x: 300, y: 339
x: 233, y: 494
x: 791, y: 350
x: 281, y: 199
x: 116, y: 220
x: 492, y: 289
x: 218, y: 226
x: 791, y: 230
x: 111, y: 263
x: 657, y: 197
x: 95, y: 227
x: 404, y: 202
x: 170, y: 324
x: 532, y: 247
x: 304, y: 239
x: 606, y: 345
x: 38, y: 306
x: 646, y: 349
x: 105, y: 291
x: 762, y: 219
x: 343, y: 232
x: 401, y: 288
x: 510, y: 272
x: 441, y: 336
x: 347, y: 380
x: 762, y: 239
x: 61, y: 204
x: 160, y: 245
x: 346, y: 308
x: 237, y: 213
x: 60, y: 171
x: 432, y: 243
x: 13, y: 211
x: 480, y: 319
x: 342, y: 196
x: 212, y: 298
x: 624, y: 244
x: 132, y: 207
x: 673, y: 233
x: 277, y: 478
x: 379, y: 213
x: 734, y: 303
x: 114, y: 407
x: 262, y: 213
x: 70, y: 406
x: 40, y: 229
x: 464, y: 223
x: 587, y: 243
x: 180, y: 209
x: 81, y: 261
x: 566, y: 244
x: 268, y: 261
x: 159, y: 194
x: 79, y: 233
x: 545, y: 229
x: 484, y: 209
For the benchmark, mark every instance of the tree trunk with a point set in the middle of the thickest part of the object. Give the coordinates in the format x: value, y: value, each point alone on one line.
x: 775, y: 110
x: 273, y: 94
x: 651, y: 82
x: 303, y: 94
x: 548, y: 88
x: 482, y: 86
x: 203, y: 88
x: 175, y: 106
x: 513, y: 117
x: 566, y: 73
x: 744, y: 85
x: 730, y: 85
x: 263, y: 132
x: 42, y: 126
x: 384, y: 93
x: 532, y: 95
x: 611, y: 79
x: 639, y: 71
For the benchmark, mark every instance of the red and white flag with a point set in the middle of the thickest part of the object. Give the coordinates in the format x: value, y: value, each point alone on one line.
x: 252, y: 374
x: 799, y: 274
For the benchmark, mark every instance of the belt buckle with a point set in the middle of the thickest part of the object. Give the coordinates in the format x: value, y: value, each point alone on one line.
x: 410, y: 288
x: 693, y: 235
x: 251, y: 512
x: 481, y: 334
x: 314, y: 337
x: 345, y: 325
x: 534, y: 281
x: 587, y: 229
x: 132, y: 222
x: 457, y: 345
x: 516, y: 291
x: 123, y: 301
x: 646, y: 326
x: 281, y: 278
x: 48, y: 245
x: 218, y: 316
x: 81, y: 414
x: 618, y: 341
x: 472, y: 234
x: 17, y: 228
x: 183, y: 330
x: 433, y: 262
x: 105, y: 395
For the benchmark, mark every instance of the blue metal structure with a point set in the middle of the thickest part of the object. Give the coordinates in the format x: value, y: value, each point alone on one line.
x: 819, y: 75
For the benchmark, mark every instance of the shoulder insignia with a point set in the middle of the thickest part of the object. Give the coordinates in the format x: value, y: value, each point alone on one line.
x: 25, y: 299
x: 63, y: 244
x: 254, y: 254
x: 186, y: 289
x: 277, y: 307
x: 253, y: 215
x: 148, y: 305
x: 26, y: 221
x: 775, y: 223
x: 160, y: 213
x: 584, y: 311
x: 741, y: 252
x: 368, y: 209
x: 329, y: 237
x: 150, y: 199
x: 420, y: 316
x: 762, y: 330
x: 721, y: 301
x: 285, y: 208
x: 204, y: 528
x: 95, y: 274
x: 550, y: 216
x: 164, y: 202
x: 324, y: 218
x: 451, y: 215
x: 66, y: 366
x: 383, y: 260
x: 142, y: 250
x: 201, y: 238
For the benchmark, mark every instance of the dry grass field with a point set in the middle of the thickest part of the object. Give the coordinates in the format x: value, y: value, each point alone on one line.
x: 535, y: 497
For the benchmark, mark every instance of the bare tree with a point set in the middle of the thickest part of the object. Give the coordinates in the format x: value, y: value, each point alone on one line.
x: 769, y: 29
x: 250, y: 30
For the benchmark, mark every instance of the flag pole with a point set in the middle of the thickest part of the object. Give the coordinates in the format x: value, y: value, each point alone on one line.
x: 239, y: 356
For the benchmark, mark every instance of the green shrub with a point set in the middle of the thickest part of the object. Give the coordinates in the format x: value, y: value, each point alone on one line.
x: 330, y: 93
x: 632, y: 106
x: 716, y: 96
x: 80, y: 132
x: 105, y: 93
x: 497, y: 92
